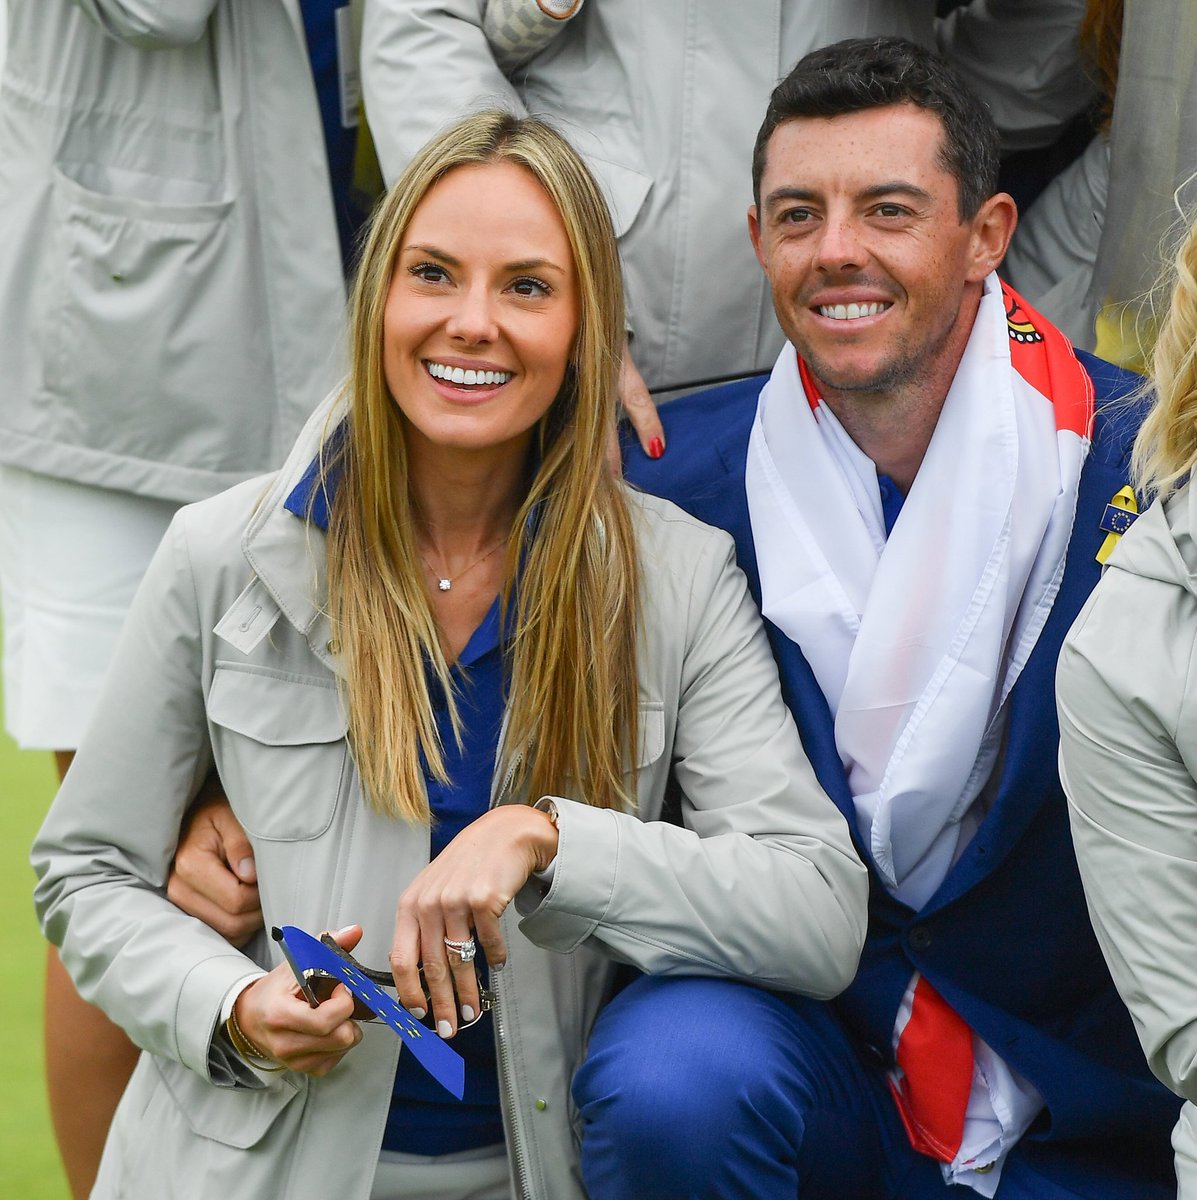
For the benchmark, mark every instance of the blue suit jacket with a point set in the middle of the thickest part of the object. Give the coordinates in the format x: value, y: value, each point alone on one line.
x: 1006, y: 939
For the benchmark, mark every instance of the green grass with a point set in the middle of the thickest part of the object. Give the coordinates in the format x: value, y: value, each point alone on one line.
x: 31, y: 1168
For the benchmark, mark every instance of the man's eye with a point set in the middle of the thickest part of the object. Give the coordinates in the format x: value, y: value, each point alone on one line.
x: 529, y: 285
x: 890, y: 210
x: 796, y: 216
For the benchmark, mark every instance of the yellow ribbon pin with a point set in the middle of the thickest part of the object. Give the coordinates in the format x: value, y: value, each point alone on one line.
x: 1119, y: 516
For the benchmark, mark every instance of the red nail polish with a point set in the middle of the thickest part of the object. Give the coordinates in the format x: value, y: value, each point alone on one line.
x: 656, y: 448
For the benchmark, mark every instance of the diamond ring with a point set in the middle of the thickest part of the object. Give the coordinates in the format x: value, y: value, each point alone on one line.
x: 466, y: 950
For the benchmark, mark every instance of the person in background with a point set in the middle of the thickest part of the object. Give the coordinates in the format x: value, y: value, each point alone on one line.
x: 1128, y: 758
x: 172, y: 282
x: 442, y: 661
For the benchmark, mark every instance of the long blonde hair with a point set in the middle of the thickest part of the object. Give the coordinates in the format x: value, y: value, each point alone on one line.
x: 571, y: 683
x: 1166, y: 447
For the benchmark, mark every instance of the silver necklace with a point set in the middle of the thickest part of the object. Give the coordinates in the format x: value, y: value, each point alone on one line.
x: 443, y: 582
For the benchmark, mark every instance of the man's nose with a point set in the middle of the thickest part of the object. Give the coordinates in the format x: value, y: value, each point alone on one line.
x: 840, y: 247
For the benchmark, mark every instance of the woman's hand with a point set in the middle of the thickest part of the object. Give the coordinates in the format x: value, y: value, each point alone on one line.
x: 461, y: 894
x: 276, y: 1017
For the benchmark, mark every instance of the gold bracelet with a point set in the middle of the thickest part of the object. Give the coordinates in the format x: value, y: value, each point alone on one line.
x: 247, y: 1049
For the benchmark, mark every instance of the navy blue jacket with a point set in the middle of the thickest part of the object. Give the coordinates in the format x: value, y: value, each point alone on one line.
x: 1006, y: 939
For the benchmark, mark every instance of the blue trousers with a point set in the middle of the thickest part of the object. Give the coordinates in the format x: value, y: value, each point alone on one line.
x: 707, y: 1088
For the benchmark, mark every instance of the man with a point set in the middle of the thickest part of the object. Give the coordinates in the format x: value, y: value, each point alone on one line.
x: 918, y: 498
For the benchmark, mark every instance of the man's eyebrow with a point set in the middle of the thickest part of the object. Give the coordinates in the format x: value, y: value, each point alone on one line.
x: 789, y: 193
x: 897, y: 187
x: 891, y: 187
x: 522, y: 264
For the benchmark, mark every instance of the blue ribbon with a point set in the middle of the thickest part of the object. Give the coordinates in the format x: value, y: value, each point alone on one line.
x: 444, y: 1064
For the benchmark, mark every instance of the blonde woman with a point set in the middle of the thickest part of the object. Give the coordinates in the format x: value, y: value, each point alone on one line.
x: 443, y: 663
x: 1127, y: 695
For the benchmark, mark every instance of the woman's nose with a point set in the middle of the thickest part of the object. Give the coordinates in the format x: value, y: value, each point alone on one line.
x: 473, y: 319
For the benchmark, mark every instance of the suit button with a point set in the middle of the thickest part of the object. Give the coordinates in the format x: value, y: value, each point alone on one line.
x: 920, y: 938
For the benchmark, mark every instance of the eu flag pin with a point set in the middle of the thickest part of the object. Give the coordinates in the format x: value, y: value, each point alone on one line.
x: 1120, y: 514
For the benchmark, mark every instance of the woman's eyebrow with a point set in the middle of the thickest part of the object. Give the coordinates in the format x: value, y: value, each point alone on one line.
x: 522, y: 264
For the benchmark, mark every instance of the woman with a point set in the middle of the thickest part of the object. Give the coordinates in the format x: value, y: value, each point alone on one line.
x: 1128, y: 748
x: 441, y: 631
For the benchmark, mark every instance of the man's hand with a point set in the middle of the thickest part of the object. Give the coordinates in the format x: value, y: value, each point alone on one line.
x: 640, y: 410
x: 213, y: 876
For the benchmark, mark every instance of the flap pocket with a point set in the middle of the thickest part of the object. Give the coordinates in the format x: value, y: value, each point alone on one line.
x: 650, y: 743
x: 280, y: 749
x: 237, y: 1117
x: 277, y: 710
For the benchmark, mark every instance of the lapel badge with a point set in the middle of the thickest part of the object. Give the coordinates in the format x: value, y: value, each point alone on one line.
x: 1119, y: 516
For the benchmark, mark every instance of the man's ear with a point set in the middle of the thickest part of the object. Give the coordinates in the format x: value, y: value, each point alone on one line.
x: 993, y: 227
x: 754, y: 234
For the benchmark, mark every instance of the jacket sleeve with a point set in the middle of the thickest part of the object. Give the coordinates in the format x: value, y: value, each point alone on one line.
x: 104, y: 852
x: 762, y: 882
x: 1022, y: 57
x: 151, y: 24
x: 425, y: 63
x: 1128, y: 758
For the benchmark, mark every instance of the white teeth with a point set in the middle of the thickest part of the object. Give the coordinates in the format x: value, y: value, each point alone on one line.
x: 851, y: 312
x: 467, y: 378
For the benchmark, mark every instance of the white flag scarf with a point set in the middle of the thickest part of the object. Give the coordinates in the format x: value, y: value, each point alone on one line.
x: 917, y: 640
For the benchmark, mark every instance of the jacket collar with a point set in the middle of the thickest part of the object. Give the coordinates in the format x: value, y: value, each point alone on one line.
x: 287, y: 554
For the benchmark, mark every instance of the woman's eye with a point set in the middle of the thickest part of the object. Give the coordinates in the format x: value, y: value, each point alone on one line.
x: 528, y: 285
x: 429, y: 272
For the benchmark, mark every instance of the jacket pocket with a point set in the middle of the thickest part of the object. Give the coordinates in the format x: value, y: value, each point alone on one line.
x: 236, y: 1117
x: 154, y: 342
x: 280, y: 749
x: 650, y: 741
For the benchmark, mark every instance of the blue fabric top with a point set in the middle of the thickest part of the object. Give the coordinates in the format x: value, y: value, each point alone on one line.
x: 423, y: 1118
x: 340, y: 143
x: 891, y: 501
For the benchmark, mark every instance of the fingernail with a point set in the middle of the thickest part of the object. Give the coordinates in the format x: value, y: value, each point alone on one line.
x: 418, y: 1013
x: 656, y: 448
x: 495, y: 968
x: 444, y: 1029
x: 343, y: 932
x: 467, y: 1012
x: 247, y: 870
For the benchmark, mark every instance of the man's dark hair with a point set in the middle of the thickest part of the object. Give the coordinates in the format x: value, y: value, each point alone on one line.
x: 862, y: 73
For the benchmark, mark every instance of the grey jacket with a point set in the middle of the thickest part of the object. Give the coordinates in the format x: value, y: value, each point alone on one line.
x: 170, y: 279
x: 226, y: 659
x: 1127, y: 694
x: 664, y: 99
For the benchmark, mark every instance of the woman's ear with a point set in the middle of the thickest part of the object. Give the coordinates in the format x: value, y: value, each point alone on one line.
x: 992, y: 228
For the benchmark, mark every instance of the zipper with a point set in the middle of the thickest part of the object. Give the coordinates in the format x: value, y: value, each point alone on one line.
x: 516, y: 1143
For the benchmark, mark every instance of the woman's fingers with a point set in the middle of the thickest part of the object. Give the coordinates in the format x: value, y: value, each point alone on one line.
x: 277, y: 1021
x: 405, y: 961
x: 462, y: 952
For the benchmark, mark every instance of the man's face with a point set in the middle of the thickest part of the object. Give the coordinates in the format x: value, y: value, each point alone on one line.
x: 874, y: 276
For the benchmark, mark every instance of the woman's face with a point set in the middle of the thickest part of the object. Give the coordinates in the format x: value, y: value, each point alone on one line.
x: 482, y: 311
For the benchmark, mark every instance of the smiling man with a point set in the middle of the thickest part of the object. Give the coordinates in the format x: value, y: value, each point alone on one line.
x: 920, y: 493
